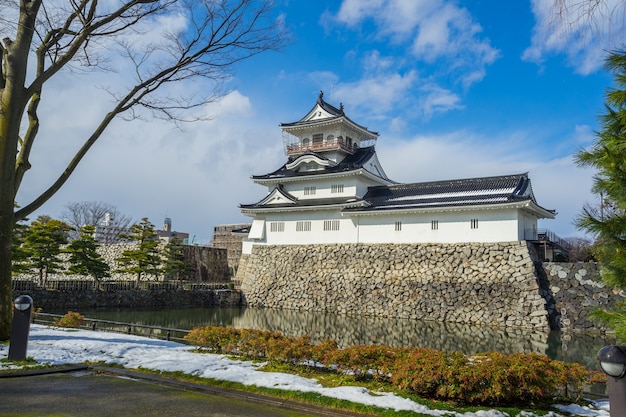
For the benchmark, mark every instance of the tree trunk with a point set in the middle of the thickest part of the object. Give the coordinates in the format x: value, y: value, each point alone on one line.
x: 12, y: 105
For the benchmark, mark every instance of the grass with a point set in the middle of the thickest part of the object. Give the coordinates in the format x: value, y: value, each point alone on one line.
x: 326, y: 379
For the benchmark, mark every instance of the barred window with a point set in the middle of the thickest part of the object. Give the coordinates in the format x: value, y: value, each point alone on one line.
x: 304, y: 226
x: 474, y: 224
x: 398, y: 226
x: 336, y: 188
x: 434, y: 225
x: 277, y: 226
x: 309, y: 190
x: 331, y: 225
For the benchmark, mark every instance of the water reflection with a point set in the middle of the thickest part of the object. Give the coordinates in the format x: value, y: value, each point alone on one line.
x: 581, y: 348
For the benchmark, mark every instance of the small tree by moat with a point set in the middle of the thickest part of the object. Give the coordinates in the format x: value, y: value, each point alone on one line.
x: 84, y: 257
x: 145, y: 258
x: 174, y: 264
x: 42, y: 246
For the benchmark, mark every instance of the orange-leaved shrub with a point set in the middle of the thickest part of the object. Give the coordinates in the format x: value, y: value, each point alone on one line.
x: 481, y: 379
x: 70, y: 319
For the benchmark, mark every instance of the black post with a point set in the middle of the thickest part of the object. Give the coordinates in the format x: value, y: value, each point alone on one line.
x: 613, y: 362
x: 20, y: 328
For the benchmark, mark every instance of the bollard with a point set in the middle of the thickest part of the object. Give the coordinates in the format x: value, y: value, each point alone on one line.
x: 20, y: 328
x: 613, y: 362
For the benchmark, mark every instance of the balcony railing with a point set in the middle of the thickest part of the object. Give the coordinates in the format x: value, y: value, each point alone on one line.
x: 547, y: 236
x: 336, y: 144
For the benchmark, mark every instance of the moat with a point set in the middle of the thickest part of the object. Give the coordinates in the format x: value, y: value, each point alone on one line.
x: 580, y: 347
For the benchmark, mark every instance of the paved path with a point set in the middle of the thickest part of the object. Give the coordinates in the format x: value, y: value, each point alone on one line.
x: 89, y: 392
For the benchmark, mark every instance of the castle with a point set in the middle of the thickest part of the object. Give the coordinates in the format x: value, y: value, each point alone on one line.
x: 333, y: 189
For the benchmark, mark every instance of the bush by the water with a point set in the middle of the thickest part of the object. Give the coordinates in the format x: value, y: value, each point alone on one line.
x: 480, y: 379
x: 70, y: 319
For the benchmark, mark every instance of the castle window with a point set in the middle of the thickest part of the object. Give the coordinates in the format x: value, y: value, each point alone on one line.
x: 336, y: 188
x: 306, y: 142
x: 277, y: 226
x: 304, y: 226
x: 318, y: 139
x: 474, y: 223
x: 331, y: 225
x: 309, y: 190
x: 398, y: 226
x: 434, y: 225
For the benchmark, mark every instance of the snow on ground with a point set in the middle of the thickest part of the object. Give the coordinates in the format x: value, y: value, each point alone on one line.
x: 59, y: 346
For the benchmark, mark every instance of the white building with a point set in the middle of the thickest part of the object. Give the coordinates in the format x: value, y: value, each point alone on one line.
x: 333, y: 189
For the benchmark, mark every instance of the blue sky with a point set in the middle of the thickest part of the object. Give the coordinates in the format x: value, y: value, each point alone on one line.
x: 456, y: 89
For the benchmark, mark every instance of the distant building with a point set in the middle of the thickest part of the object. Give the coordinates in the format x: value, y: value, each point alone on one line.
x: 333, y: 189
x: 168, y: 234
x: 108, y: 231
x: 230, y: 237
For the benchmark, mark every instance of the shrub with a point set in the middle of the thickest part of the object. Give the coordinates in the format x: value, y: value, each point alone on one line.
x: 483, y: 379
x: 214, y: 338
x: 363, y: 361
x: 70, y: 319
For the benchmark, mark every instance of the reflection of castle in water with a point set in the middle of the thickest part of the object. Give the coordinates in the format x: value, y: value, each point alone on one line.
x: 348, y: 331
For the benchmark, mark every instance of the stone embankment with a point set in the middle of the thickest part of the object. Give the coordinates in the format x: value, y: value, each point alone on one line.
x: 76, y: 300
x: 477, y: 283
x: 500, y: 284
x: 206, y: 264
x: 577, y: 291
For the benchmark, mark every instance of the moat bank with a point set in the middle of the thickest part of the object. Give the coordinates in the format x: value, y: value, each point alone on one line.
x: 494, y: 284
x: 64, y: 300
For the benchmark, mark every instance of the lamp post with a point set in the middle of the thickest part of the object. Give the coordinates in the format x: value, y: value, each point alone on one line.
x: 20, y: 328
x: 613, y: 362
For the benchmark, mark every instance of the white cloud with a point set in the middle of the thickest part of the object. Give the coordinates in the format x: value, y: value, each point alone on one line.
x: 439, y: 39
x: 390, y: 91
x: 430, y: 29
x: 582, y: 30
x: 438, y: 100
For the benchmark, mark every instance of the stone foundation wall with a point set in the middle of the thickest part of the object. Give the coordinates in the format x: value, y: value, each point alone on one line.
x: 68, y: 300
x: 475, y: 283
x: 207, y: 264
x: 577, y: 290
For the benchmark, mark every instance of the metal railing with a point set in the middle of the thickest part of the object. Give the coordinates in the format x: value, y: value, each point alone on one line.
x: 546, y: 235
x: 31, y: 284
x: 154, y: 332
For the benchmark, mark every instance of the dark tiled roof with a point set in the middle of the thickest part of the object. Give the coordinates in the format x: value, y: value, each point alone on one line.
x: 461, y: 192
x: 309, y: 202
x: 334, y: 111
x: 349, y: 163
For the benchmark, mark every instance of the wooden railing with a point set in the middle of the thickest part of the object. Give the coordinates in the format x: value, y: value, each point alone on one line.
x: 319, y: 146
x: 22, y: 284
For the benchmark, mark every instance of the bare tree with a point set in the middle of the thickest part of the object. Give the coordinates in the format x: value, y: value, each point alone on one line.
x: 41, y: 39
x: 108, y: 221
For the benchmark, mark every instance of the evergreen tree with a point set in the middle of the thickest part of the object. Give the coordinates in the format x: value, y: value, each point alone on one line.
x: 42, y: 244
x: 174, y: 264
x: 19, y: 258
x: 608, y: 156
x: 144, y: 259
x: 84, y: 257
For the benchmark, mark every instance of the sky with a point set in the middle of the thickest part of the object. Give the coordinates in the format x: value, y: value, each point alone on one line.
x: 456, y: 89
x: 57, y: 347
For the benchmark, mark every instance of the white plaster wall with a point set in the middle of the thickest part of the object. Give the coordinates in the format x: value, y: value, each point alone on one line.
x: 453, y: 227
x: 353, y: 186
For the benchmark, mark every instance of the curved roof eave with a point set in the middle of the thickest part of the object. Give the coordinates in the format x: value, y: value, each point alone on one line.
x: 528, y: 205
x: 269, y: 209
x: 358, y: 171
